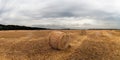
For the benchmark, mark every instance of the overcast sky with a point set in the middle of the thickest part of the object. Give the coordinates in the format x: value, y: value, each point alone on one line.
x: 61, y: 13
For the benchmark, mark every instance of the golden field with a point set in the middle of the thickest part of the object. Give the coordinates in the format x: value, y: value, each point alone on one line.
x: 85, y: 45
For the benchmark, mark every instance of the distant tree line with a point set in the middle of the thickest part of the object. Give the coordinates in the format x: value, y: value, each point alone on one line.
x: 17, y: 27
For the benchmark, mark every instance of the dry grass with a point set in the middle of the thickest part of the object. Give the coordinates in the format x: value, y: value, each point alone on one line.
x: 85, y: 45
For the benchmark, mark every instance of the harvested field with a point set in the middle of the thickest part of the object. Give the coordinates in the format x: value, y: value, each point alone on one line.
x: 85, y: 45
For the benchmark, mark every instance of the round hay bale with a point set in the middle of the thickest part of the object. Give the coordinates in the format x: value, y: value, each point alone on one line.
x: 59, y: 40
x: 83, y: 32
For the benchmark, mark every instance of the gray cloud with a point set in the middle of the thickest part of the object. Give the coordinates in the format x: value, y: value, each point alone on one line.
x: 63, y: 13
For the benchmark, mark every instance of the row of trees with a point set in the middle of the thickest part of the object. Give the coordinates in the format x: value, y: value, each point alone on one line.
x: 16, y: 27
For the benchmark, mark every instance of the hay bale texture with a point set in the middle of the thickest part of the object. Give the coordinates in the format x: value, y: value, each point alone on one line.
x: 59, y: 40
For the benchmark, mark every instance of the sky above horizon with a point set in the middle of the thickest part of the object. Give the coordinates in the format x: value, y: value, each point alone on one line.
x: 61, y: 13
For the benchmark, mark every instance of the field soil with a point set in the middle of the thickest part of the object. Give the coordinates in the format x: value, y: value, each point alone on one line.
x: 85, y: 45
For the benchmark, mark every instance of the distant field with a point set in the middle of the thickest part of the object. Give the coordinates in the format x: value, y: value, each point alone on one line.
x: 86, y: 45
